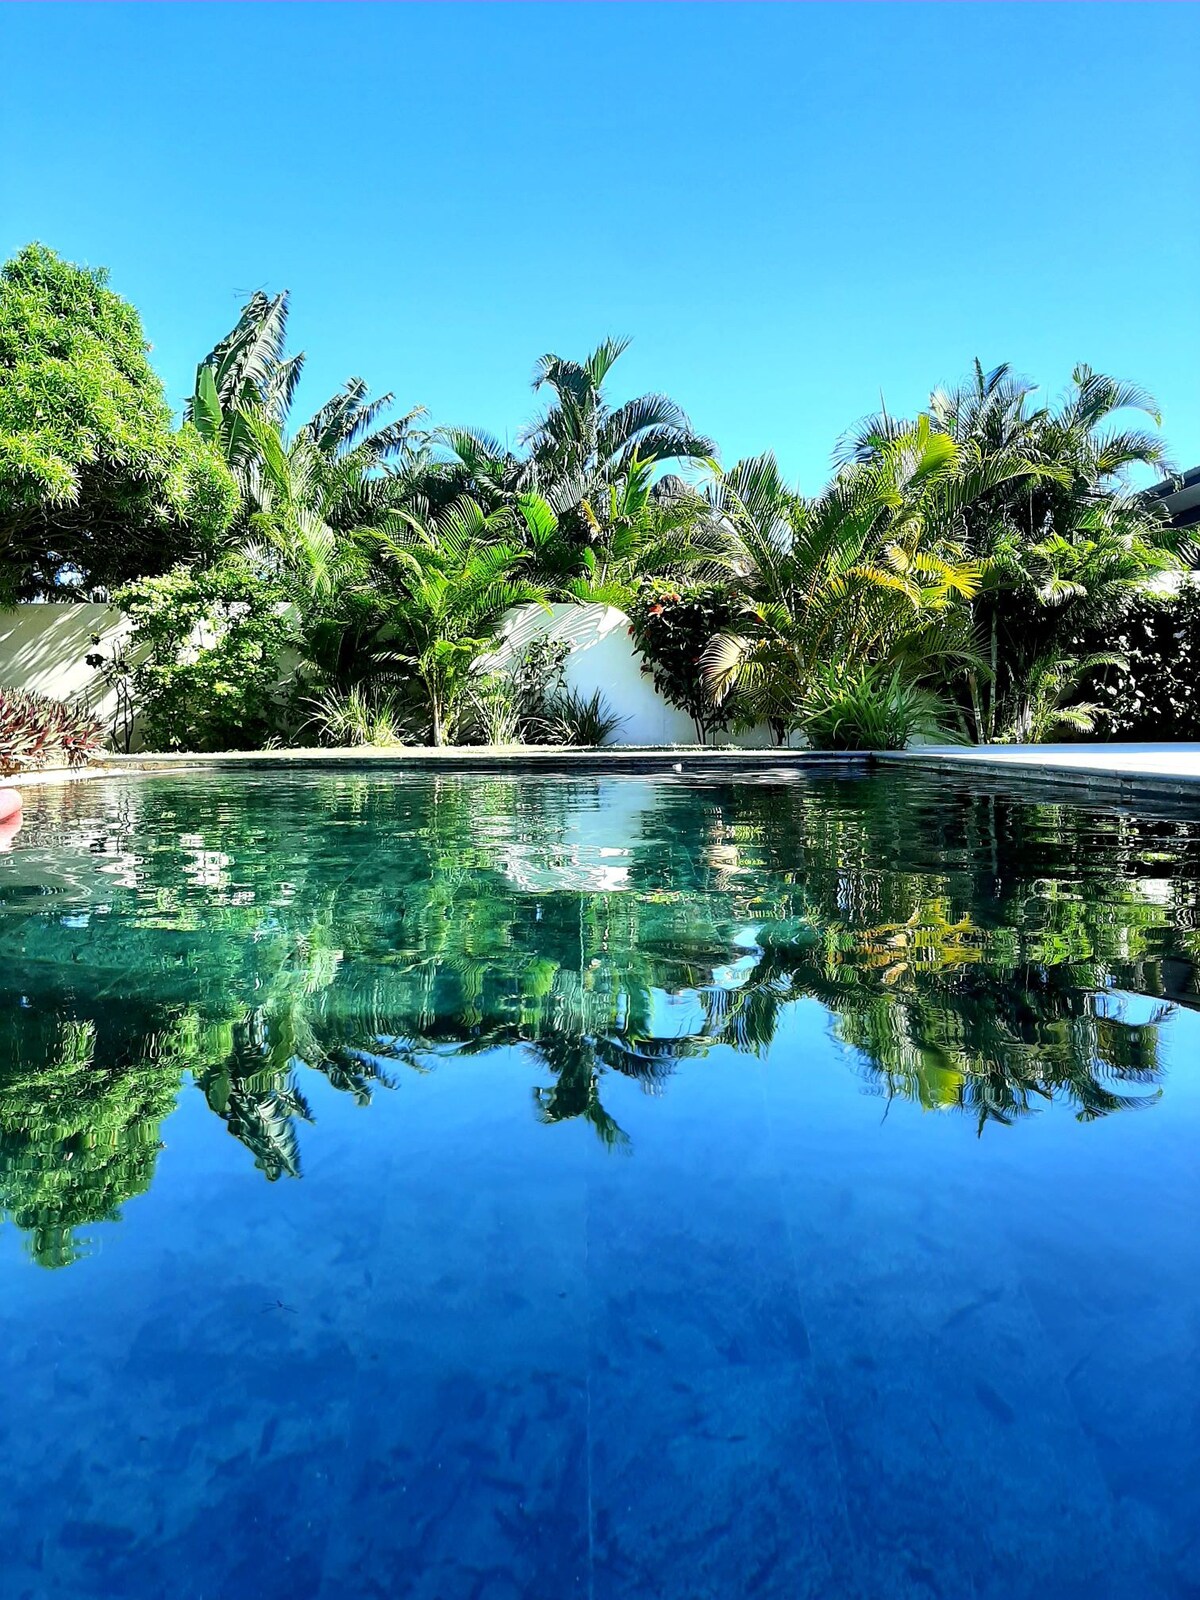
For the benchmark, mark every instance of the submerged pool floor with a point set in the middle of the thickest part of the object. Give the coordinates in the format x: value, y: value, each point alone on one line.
x: 487, y: 1187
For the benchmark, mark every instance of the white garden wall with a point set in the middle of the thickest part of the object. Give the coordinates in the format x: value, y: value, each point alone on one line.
x: 44, y: 648
x: 603, y: 657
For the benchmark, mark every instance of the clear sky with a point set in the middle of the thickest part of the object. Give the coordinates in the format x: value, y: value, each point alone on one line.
x: 790, y: 208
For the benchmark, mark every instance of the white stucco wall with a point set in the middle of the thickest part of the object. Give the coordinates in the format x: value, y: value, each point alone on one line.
x: 43, y: 648
x: 603, y: 657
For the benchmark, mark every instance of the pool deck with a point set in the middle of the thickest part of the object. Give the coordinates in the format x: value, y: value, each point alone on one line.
x: 1101, y: 769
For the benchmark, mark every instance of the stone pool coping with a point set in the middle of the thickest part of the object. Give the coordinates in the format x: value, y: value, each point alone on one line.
x: 620, y: 758
x: 1099, y: 769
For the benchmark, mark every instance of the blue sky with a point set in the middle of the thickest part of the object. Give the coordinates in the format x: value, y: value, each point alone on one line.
x: 790, y: 208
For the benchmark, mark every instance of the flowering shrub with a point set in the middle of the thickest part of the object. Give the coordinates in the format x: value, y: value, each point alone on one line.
x: 34, y: 730
x: 671, y: 627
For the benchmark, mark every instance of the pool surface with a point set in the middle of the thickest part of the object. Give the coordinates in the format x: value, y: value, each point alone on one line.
x: 472, y: 1187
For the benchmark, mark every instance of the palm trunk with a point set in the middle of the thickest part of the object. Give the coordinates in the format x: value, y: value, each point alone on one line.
x: 437, y: 717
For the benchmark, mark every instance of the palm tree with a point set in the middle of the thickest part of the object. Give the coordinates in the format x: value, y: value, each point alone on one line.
x: 872, y: 570
x: 443, y: 584
x: 248, y: 374
x: 306, y: 502
x: 581, y: 443
x: 637, y: 530
x: 1064, y: 548
x: 581, y: 447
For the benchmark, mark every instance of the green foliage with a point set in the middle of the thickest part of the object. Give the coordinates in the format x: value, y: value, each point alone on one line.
x: 868, y: 708
x: 1064, y: 546
x: 537, y: 674
x: 579, y: 453
x: 359, y: 715
x: 672, y: 628
x: 249, y: 375
x: 583, y: 719
x: 988, y: 550
x: 449, y: 581
x: 493, y: 715
x: 1040, y: 704
x: 1149, y: 693
x: 78, y: 1134
x: 35, y: 730
x: 869, y: 571
x: 96, y: 486
x: 209, y: 646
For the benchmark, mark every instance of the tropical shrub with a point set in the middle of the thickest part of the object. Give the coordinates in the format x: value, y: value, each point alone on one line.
x: 583, y: 719
x: 1063, y: 546
x: 359, y: 715
x: 537, y: 679
x: 35, y: 730
x: 672, y: 628
x: 211, y: 647
x: 869, y: 708
x: 871, y: 570
x: 1045, y: 702
x: 1149, y: 692
x: 491, y: 715
x: 442, y: 586
x: 96, y: 484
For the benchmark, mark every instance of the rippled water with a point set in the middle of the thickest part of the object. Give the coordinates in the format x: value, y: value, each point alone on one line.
x: 484, y: 1187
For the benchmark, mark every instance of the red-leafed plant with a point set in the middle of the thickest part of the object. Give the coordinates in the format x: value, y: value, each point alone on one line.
x: 35, y: 729
x: 671, y: 628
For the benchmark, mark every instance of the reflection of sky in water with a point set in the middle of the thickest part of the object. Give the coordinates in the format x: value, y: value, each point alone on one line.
x: 611, y: 1247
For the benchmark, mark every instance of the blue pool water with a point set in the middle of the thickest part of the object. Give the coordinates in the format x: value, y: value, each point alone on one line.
x: 641, y: 1189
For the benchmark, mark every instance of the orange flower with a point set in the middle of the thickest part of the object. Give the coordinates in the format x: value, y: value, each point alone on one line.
x: 656, y: 610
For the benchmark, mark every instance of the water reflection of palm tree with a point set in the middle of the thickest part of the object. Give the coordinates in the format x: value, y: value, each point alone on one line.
x: 964, y: 947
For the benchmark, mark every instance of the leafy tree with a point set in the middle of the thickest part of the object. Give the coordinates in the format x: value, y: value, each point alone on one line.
x: 78, y: 1135
x: 208, y: 651
x: 96, y: 486
x: 1147, y: 689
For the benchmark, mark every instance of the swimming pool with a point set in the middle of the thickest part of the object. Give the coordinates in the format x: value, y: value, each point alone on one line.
x: 481, y: 1186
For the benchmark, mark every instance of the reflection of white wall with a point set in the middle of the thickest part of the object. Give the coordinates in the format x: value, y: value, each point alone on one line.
x: 603, y: 657
x: 587, y: 845
x: 43, y: 647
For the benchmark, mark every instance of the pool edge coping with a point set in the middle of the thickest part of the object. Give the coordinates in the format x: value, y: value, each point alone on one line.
x: 1095, y: 777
